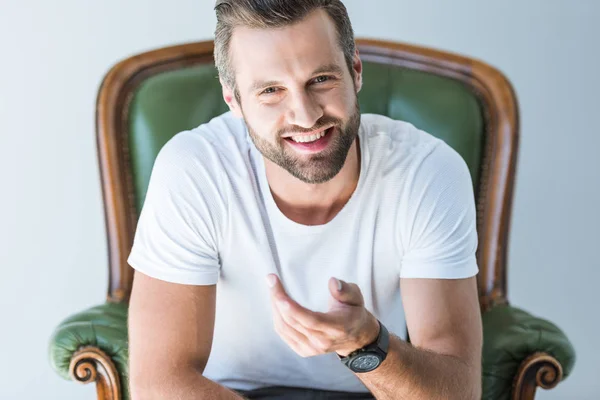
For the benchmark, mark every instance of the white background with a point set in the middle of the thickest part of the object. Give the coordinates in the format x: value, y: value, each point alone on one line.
x: 52, y: 238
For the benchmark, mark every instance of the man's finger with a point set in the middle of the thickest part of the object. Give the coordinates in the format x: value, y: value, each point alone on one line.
x: 278, y: 293
x: 296, y: 340
x: 303, y: 319
x: 276, y: 287
x: 284, y: 304
x: 346, y: 293
x: 286, y: 332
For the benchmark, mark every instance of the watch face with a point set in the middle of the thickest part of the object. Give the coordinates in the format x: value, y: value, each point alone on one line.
x: 365, y: 363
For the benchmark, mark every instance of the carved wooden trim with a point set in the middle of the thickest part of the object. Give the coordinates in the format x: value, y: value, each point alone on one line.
x: 540, y: 369
x: 496, y: 176
x: 90, y: 364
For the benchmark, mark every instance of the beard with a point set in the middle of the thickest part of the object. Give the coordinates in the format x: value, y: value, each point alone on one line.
x: 314, y: 168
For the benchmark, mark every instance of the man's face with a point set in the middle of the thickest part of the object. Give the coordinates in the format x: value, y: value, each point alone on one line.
x: 297, y: 96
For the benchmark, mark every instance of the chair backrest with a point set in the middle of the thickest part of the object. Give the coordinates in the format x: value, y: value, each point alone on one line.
x: 146, y: 99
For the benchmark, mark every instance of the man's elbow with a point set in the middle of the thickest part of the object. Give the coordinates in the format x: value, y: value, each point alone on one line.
x: 164, y: 384
x: 145, y: 387
x: 141, y: 388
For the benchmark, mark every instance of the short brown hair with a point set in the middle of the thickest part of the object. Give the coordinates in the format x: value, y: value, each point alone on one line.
x: 273, y: 14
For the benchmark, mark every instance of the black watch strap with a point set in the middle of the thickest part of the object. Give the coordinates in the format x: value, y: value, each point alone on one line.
x: 383, y: 339
x: 380, y: 346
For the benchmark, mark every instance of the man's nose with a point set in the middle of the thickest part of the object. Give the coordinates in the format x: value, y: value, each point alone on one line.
x: 304, y: 110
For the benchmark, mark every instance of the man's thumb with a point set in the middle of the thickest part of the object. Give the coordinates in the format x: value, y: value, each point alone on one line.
x: 347, y: 293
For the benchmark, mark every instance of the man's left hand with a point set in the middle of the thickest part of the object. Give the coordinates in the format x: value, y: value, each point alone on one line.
x: 346, y: 327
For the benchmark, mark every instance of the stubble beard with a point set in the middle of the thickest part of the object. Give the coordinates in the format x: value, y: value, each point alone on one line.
x: 315, y: 168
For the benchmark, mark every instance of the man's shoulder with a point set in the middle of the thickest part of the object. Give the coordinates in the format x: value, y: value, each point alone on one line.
x: 221, y: 138
x: 395, y: 141
x: 223, y: 131
x: 409, y: 154
x: 376, y: 127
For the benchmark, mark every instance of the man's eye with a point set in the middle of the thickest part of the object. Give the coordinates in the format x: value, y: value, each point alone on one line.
x: 270, y: 90
x: 322, y: 79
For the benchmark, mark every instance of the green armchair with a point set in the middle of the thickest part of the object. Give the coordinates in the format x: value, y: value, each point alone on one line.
x: 148, y: 98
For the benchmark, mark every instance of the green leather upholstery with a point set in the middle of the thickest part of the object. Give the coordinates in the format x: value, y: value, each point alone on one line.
x: 103, y: 326
x: 509, y: 336
x: 174, y: 101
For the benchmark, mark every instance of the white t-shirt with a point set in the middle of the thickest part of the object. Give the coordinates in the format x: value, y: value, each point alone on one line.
x: 209, y: 218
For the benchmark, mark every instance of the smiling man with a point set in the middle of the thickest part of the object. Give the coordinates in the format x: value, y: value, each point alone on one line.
x: 285, y: 246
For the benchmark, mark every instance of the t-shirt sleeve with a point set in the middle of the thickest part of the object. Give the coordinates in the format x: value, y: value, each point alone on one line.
x: 441, y: 239
x: 176, y: 239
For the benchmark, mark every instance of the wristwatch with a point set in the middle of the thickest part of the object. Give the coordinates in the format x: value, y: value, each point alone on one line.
x: 371, y: 356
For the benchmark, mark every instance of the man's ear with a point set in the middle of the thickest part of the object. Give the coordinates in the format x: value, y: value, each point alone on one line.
x: 357, y: 69
x: 229, y: 97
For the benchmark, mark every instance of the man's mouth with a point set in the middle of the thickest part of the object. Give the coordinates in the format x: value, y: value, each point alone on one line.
x: 311, y: 143
x: 311, y: 138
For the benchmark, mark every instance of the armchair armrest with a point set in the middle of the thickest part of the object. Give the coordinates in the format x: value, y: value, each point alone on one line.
x: 91, y: 346
x: 516, y: 344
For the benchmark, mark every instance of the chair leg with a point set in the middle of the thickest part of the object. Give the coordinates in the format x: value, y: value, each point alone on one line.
x: 540, y: 369
x: 90, y: 364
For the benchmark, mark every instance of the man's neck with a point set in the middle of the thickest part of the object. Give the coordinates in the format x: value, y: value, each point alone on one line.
x: 314, y: 204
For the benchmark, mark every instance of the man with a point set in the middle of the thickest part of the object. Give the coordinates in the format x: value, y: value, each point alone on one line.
x: 285, y: 246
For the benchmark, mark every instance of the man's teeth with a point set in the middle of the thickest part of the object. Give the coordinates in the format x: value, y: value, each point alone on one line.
x: 308, y: 139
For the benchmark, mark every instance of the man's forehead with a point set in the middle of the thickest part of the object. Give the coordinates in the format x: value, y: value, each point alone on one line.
x: 297, y: 49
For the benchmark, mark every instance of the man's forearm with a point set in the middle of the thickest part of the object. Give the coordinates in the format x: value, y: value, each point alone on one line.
x: 411, y: 373
x: 182, y: 385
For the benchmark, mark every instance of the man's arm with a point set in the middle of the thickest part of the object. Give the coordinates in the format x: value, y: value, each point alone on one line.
x: 444, y: 322
x: 444, y: 359
x: 170, y: 336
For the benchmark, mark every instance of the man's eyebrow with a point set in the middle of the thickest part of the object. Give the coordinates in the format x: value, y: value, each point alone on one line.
x: 331, y: 68
x: 263, y: 84
x: 328, y: 68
